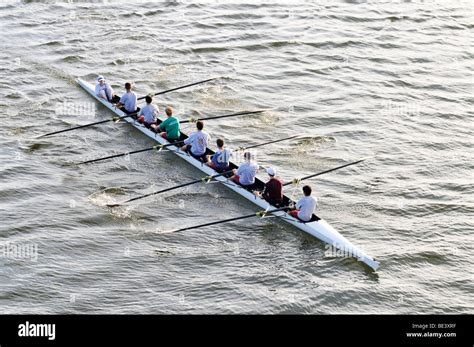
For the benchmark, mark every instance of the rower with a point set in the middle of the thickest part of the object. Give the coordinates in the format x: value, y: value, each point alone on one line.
x: 305, y: 206
x: 245, y: 174
x: 104, y: 90
x: 169, y: 128
x: 128, y: 101
x: 273, y: 191
x: 221, y: 158
x: 148, y: 114
x: 196, y: 143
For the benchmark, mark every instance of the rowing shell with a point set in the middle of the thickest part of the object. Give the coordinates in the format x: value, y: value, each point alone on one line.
x: 317, y: 227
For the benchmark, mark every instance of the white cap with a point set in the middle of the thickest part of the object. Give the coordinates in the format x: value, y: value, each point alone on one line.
x: 271, y: 171
x: 100, y: 78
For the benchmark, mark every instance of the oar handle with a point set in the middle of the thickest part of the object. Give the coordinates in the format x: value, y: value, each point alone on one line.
x: 170, y: 144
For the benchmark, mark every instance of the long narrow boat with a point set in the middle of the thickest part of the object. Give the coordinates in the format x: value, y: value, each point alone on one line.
x: 316, y: 227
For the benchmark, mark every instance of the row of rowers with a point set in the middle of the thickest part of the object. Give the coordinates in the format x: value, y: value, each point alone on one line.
x: 196, y: 145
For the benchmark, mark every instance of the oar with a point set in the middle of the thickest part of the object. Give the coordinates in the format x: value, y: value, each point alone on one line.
x: 170, y: 144
x: 203, y: 179
x: 178, y: 88
x: 194, y: 120
x: 260, y: 214
x: 267, y: 143
x: 113, y: 119
x: 157, y: 147
x: 298, y: 180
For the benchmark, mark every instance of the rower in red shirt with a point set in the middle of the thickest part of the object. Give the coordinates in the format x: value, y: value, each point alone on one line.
x: 273, y: 191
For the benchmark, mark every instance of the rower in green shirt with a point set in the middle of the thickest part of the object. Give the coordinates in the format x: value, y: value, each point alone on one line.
x: 169, y: 128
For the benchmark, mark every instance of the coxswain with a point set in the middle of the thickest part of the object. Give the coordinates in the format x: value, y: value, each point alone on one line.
x: 104, y: 90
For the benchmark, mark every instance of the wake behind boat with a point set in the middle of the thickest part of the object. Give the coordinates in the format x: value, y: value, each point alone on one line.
x: 316, y: 226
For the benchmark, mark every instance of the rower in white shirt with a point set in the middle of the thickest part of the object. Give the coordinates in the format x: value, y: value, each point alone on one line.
x: 148, y: 113
x: 305, y: 206
x: 245, y: 174
x: 221, y: 158
x: 196, y: 143
x: 104, y: 90
x: 128, y: 101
